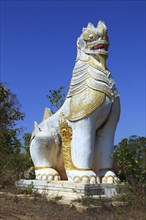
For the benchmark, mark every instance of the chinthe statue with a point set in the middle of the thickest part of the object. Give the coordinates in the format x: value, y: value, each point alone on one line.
x: 76, y: 143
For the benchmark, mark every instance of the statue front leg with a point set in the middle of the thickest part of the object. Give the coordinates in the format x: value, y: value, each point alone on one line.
x: 78, y: 143
x: 104, y: 146
x: 104, y: 142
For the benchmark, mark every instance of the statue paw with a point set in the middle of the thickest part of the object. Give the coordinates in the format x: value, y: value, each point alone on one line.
x: 47, y: 174
x: 85, y: 177
x: 110, y: 178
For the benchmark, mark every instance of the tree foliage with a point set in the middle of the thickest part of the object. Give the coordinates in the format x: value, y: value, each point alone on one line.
x: 56, y: 98
x: 9, y: 115
x: 26, y: 138
x: 9, y: 109
x: 12, y: 160
x: 130, y: 156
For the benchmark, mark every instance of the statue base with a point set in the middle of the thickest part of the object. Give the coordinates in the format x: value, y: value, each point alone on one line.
x: 70, y: 191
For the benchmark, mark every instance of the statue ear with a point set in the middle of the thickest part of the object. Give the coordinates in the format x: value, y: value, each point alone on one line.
x: 90, y: 25
x: 101, y: 25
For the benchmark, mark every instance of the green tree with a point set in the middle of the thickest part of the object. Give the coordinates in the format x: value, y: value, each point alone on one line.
x: 27, y: 161
x: 26, y: 138
x: 130, y: 156
x: 10, y: 146
x: 56, y: 98
x: 9, y: 108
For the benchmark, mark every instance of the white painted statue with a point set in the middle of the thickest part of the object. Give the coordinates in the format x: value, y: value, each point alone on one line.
x: 76, y: 143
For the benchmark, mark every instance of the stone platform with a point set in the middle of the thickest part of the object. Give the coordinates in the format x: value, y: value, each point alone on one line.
x: 69, y: 191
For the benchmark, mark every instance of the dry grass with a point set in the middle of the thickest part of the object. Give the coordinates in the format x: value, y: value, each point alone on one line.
x: 32, y: 207
x: 27, y: 207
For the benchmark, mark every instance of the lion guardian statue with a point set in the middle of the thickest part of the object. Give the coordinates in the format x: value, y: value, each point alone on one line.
x: 76, y: 143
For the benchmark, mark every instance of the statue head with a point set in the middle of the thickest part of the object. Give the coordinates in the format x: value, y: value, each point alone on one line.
x: 93, y: 40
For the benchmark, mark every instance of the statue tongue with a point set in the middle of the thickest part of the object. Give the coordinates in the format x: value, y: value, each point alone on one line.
x: 100, y: 46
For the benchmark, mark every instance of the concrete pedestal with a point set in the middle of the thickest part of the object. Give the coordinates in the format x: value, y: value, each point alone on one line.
x: 70, y: 191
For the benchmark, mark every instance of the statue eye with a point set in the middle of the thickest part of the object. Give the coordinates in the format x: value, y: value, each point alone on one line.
x: 91, y: 36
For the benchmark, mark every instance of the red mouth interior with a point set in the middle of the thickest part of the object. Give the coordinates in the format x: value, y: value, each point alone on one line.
x: 100, y: 46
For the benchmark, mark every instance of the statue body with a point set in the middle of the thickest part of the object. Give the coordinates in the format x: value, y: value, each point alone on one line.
x: 76, y: 143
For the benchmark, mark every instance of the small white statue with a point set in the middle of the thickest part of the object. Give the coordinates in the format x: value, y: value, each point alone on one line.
x: 76, y: 143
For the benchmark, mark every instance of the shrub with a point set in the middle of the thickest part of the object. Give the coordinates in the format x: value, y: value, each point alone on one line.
x: 130, y: 157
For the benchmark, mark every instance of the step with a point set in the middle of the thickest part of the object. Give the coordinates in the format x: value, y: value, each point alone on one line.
x: 66, y: 189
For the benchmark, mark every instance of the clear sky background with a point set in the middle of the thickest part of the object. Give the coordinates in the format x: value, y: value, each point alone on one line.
x: 38, y: 51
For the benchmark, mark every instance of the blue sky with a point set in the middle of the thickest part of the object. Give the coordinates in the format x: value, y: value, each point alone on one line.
x: 38, y: 51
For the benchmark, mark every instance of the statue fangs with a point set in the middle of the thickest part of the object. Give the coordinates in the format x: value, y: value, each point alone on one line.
x: 76, y: 143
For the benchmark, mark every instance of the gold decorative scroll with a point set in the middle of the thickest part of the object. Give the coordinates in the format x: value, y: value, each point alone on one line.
x: 66, y: 135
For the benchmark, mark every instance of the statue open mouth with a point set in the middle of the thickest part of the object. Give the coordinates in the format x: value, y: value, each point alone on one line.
x: 100, y: 46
